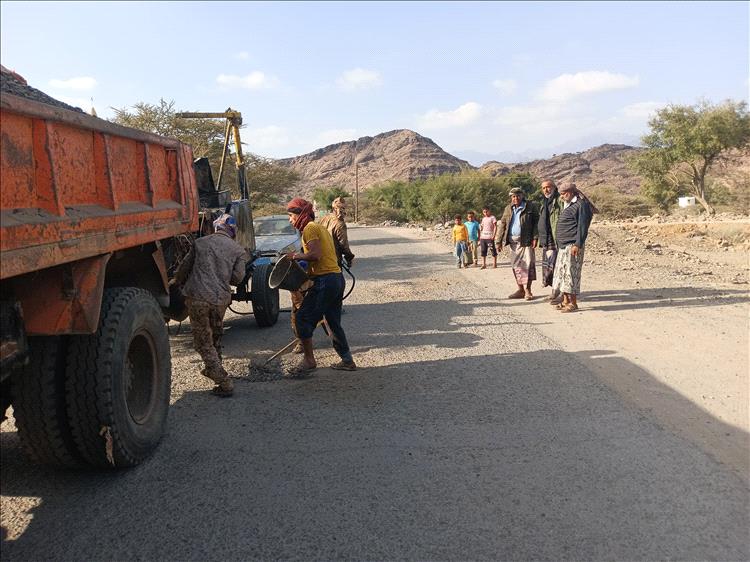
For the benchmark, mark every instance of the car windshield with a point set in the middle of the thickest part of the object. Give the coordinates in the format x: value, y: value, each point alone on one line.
x: 270, y: 226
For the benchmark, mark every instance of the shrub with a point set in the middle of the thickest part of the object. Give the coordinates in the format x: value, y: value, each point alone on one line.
x: 618, y: 205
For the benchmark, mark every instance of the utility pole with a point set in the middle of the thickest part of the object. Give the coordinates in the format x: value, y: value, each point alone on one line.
x: 356, y: 184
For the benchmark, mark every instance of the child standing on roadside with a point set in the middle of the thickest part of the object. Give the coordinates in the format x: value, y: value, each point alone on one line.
x: 487, y: 237
x: 459, y: 237
x: 472, y: 226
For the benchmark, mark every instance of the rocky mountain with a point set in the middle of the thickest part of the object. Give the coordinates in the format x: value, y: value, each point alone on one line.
x: 397, y: 155
x: 406, y: 155
x: 602, y: 165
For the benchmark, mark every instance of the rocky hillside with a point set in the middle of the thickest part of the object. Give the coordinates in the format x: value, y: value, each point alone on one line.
x: 603, y: 165
x: 406, y: 155
x: 396, y: 155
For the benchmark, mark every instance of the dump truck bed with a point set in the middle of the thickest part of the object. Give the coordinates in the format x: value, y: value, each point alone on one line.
x: 75, y: 186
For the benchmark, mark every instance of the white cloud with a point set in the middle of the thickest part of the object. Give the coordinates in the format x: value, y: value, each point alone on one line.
x: 79, y: 83
x: 568, y: 86
x: 266, y: 138
x: 642, y: 110
x: 459, y: 117
x: 505, y: 87
x: 242, y: 55
x: 256, y: 80
x: 333, y: 136
x: 359, y: 79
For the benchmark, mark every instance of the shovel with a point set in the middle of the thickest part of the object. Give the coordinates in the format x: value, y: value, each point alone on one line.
x: 288, y: 346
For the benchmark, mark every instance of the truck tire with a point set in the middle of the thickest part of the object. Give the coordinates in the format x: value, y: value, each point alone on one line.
x: 119, y: 380
x: 265, y: 299
x: 39, y: 405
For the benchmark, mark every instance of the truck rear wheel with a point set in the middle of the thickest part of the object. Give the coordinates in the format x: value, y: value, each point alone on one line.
x: 265, y: 299
x: 119, y: 381
x: 39, y: 404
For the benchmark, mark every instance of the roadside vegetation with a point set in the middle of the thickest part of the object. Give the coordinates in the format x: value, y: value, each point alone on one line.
x: 440, y: 198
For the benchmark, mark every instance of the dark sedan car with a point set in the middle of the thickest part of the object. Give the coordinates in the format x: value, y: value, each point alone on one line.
x: 275, y: 235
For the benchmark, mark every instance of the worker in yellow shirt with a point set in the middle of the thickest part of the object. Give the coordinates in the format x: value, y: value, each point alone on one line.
x: 460, y: 239
x: 324, y: 298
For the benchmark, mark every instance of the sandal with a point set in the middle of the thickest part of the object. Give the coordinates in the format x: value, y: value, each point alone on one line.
x: 222, y: 391
x: 569, y: 308
x: 529, y: 296
x: 345, y: 366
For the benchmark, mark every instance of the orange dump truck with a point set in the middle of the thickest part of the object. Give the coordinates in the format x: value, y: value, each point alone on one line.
x: 89, y: 213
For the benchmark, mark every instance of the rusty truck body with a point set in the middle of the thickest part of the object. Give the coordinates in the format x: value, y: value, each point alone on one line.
x: 88, y: 211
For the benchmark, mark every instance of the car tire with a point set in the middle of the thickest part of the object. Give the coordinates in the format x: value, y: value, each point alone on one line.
x: 265, y: 300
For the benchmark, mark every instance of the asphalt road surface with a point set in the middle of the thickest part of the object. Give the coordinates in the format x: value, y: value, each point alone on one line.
x: 467, y: 434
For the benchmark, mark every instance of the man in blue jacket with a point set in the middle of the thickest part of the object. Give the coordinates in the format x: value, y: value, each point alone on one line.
x: 570, y: 235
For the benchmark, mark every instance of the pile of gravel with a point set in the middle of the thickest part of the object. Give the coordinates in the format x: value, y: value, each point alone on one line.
x: 11, y: 83
x: 279, y: 369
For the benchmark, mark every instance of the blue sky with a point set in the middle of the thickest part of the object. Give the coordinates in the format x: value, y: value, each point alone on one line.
x: 481, y: 79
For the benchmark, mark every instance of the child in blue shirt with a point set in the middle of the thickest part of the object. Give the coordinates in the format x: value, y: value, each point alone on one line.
x: 472, y: 226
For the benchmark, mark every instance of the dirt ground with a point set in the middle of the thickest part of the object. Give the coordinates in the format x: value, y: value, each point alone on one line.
x: 672, y: 298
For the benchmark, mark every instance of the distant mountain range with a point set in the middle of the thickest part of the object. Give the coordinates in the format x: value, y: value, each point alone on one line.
x: 405, y: 155
x: 577, y: 145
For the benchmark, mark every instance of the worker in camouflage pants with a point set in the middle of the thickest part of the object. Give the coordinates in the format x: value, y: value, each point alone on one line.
x: 214, y: 262
x: 207, y: 322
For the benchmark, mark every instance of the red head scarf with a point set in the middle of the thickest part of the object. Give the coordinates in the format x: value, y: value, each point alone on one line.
x: 304, y: 211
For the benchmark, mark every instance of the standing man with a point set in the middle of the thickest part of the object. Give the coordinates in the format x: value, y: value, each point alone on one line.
x: 213, y: 263
x: 518, y: 230
x: 324, y: 298
x: 548, y: 216
x: 487, y: 230
x: 336, y: 225
x: 472, y: 227
x: 570, y: 234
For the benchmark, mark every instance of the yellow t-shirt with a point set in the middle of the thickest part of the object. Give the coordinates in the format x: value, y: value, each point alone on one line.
x: 460, y: 233
x: 328, y: 263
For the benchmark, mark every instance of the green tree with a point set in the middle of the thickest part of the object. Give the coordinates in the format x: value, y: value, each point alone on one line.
x: 324, y: 196
x: 684, y: 143
x: 412, y: 196
x: 267, y: 181
x: 204, y: 135
x: 447, y: 195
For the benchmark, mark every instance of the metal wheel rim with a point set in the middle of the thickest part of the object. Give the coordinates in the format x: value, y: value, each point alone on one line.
x: 141, y: 366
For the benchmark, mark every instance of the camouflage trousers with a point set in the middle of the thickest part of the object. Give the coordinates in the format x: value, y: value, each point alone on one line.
x: 207, y: 321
